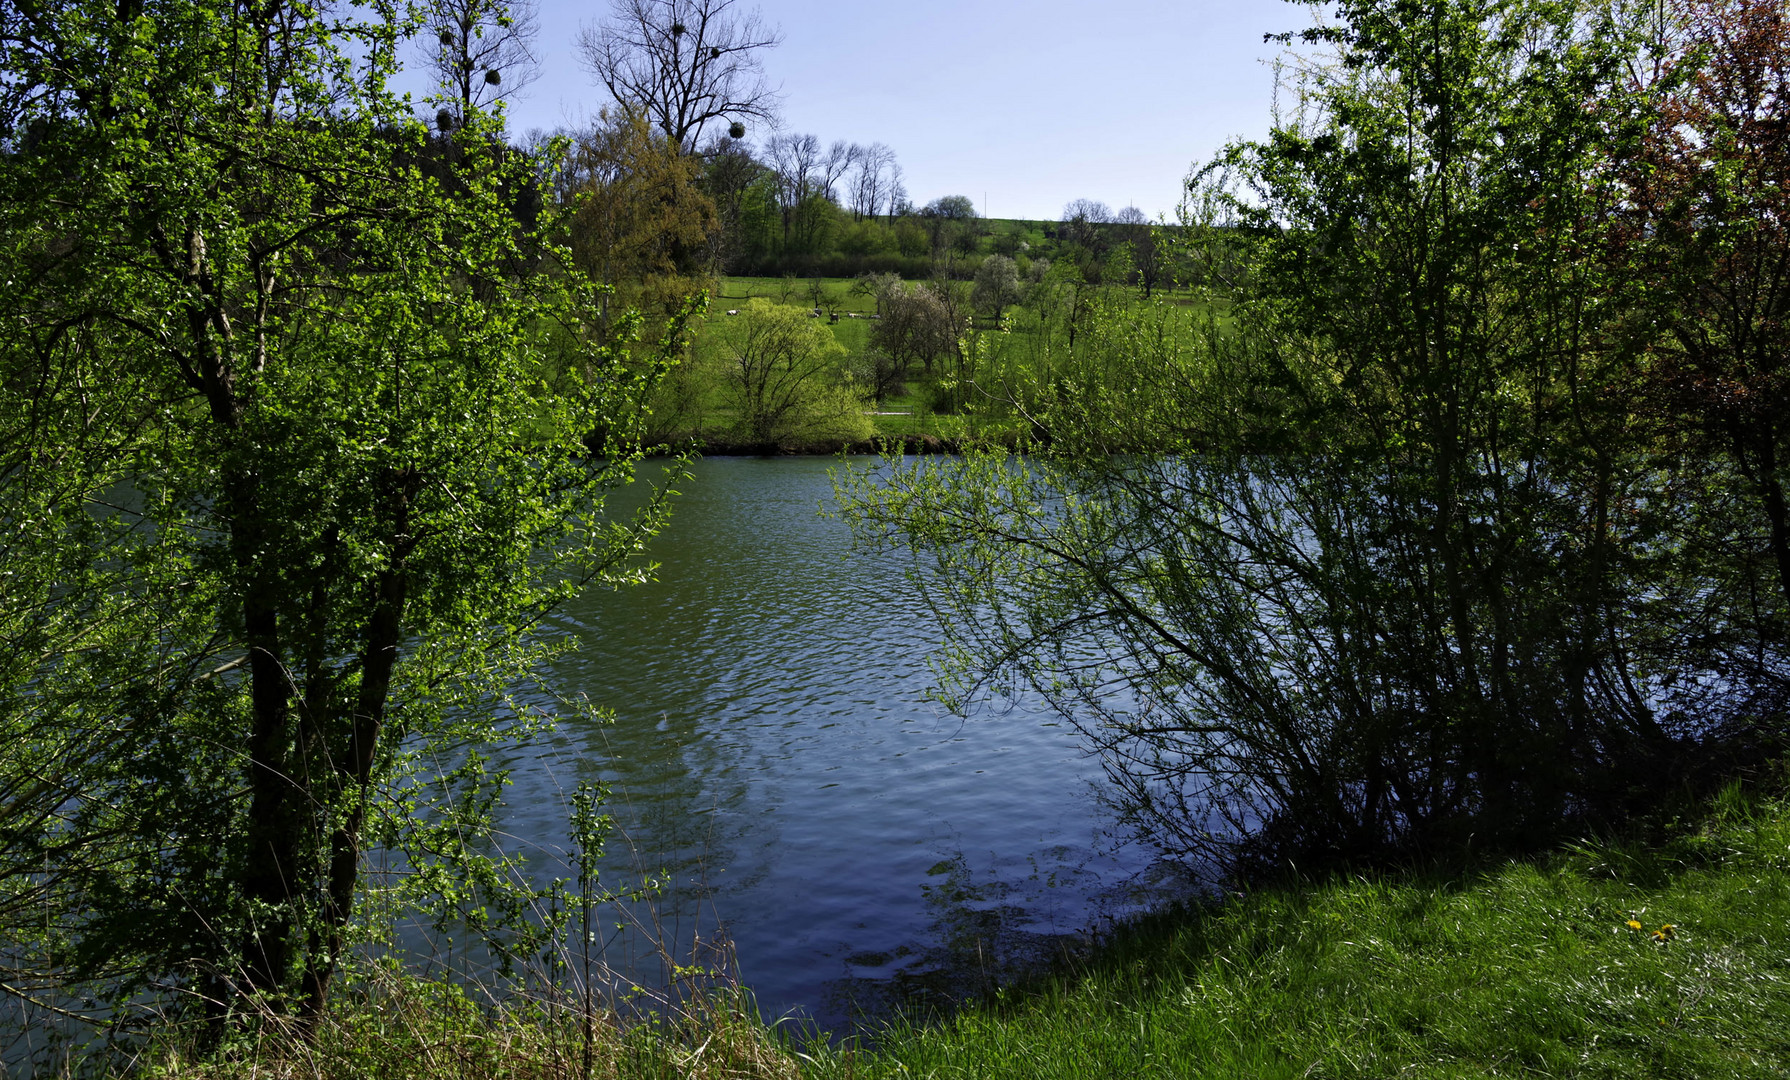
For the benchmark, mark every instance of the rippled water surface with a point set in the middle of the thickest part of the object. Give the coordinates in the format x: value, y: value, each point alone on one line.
x: 774, y: 751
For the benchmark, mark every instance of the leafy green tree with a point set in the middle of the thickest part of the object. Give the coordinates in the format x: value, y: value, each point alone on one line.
x: 805, y: 175
x: 309, y: 439
x: 1706, y: 215
x: 951, y: 208
x: 951, y: 224
x: 784, y: 373
x: 640, y: 221
x: 1148, y: 268
x: 1405, y: 569
x: 997, y: 285
x: 729, y: 173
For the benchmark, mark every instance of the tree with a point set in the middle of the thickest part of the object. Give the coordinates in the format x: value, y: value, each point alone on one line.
x: 784, y: 373
x: 881, y: 374
x: 641, y: 221
x: 916, y: 324
x: 794, y: 159
x: 997, y: 284
x: 877, y: 174
x: 728, y: 173
x: 1082, y: 219
x: 481, y: 51
x: 951, y: 208
x: 315, y: 446
x: 841, y: 158
x: 897, y: 203
x: 880, y: 288
x: 1708, y: 216
x: 1084, y: 236
x: 806, y: 176
x: 1134, y: 229
x: 684, y: 63
x: 1405, y: 566
x: 950, y: 223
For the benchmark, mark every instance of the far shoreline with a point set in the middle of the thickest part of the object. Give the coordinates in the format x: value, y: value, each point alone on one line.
x: 909, y: 444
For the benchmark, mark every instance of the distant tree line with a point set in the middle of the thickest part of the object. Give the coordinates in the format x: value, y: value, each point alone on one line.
x: 690, y: 73
x: 793, y: 204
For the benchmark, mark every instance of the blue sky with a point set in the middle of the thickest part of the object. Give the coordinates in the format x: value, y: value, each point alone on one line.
x: 1020, y: 106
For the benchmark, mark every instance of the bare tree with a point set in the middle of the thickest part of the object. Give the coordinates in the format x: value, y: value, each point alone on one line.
x: 897, y: 192
x: 793, y: 159
x: 877, y: 172
x: 1087, y: 210
x: 683, y: 63
x: 481, y: 51
x: 840, y: 158
x: 1081, y: 221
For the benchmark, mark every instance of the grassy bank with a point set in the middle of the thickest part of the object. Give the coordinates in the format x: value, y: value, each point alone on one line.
x: 1666, y: 955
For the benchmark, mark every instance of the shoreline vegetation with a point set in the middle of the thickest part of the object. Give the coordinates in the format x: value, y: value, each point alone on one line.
x: 869, y: 364
x: 910, y: 443
x: 1656, y: 953
x: 1425, y: 485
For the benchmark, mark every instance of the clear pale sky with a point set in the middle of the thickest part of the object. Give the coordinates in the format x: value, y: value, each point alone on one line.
x: 1020, y: 106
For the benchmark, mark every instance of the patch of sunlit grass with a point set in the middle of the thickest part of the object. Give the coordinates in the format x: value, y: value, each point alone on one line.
x: 1620, y: 961
x: 1646, y: 961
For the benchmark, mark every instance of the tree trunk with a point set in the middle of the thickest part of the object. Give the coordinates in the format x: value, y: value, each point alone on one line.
x: 354, y: 762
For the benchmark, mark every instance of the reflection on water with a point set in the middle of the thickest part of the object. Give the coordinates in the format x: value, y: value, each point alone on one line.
x: 773, y: 751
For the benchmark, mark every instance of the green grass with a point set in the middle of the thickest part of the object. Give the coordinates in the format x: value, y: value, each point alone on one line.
x: 1525, y: 969
x: 1528, y: 969
x: 836, y: 293
x: 405, y: 1029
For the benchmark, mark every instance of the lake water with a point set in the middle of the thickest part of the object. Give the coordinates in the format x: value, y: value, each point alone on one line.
x: 774, y: 751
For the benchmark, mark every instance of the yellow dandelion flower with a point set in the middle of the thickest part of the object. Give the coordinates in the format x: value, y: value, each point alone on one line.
x: 1634, y: 924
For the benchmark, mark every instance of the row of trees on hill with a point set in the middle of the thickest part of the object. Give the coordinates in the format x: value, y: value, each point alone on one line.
x: 687, y: 82
x: 796, y: 205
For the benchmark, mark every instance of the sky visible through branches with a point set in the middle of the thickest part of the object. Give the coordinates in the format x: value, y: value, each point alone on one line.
x: 1022, y: 106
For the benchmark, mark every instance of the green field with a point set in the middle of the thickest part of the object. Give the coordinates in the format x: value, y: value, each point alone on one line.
x: 911, y: 411
x: 836, y: 293
x: 923, y: 405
